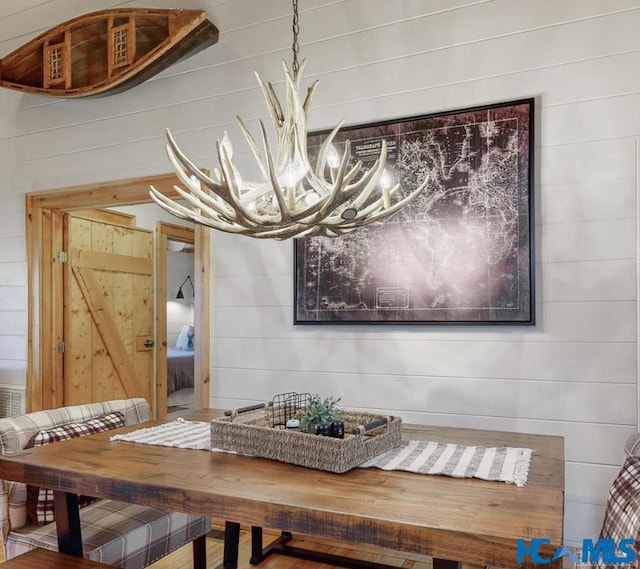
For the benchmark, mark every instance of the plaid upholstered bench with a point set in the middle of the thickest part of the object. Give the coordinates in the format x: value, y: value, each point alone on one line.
x: 622, y: 515
x: 45, y: 559
x: 116, y: 533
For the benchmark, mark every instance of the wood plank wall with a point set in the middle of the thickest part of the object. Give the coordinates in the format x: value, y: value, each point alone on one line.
x: 574, y: 374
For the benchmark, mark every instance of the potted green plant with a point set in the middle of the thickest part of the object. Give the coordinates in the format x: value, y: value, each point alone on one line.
x: 318, y: 410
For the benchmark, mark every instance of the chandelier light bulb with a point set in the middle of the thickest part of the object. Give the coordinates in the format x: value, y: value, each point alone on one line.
x: 311, y: 198
x: 194, y: 181
x: 226, y: 144
x: 237, y: 179
x: 333, y: 158
x: 386, y: 180
x: 293, y: 174
x: 290, y: 176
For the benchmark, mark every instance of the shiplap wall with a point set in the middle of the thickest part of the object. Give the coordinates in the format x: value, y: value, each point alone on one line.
x: 573, y: 374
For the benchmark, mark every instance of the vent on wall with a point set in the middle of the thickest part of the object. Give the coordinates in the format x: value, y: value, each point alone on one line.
x: 12, y: 401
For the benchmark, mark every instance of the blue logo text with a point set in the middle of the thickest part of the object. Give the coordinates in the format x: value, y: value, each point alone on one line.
x: 605, y: 550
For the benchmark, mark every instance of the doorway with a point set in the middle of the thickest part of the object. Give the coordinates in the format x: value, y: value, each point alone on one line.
x: 175, y: 315
x: 45, y: 260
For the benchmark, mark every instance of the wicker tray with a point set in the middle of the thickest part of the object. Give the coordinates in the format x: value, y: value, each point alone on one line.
x: 366, y: 436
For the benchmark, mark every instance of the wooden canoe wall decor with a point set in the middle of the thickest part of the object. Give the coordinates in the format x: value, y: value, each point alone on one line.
x: 106, y: 52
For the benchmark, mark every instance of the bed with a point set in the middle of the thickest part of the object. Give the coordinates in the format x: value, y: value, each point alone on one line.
x: 179, y: 369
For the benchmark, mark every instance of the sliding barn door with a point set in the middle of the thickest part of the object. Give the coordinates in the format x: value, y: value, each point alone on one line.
x: 108, y: 312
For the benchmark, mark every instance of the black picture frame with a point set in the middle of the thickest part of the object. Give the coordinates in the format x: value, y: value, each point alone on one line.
x: 461, y: 253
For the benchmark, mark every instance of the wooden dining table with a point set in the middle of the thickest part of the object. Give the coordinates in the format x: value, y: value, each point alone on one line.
x: 468, y: 523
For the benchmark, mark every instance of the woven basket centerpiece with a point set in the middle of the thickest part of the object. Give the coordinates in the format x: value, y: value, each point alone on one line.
x: 366, y: 436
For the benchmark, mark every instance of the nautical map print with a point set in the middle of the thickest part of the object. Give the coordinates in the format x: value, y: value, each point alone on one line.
x: 460, y: 252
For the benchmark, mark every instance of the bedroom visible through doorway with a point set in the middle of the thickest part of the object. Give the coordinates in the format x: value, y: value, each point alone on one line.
x: 180, y: 330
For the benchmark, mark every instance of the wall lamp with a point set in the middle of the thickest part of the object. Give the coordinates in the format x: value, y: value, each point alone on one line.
x: 193, y: 290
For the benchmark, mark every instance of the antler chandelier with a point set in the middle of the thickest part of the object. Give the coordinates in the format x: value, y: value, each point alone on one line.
x: 291, y: 198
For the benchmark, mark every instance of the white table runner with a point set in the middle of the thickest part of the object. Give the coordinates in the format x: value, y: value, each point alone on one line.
x: 505, y: 464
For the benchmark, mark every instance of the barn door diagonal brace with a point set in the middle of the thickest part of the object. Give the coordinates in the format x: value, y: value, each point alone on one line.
x: 91, y: 290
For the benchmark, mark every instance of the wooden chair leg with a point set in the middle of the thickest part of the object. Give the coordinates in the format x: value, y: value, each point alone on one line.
x: 200, y: 552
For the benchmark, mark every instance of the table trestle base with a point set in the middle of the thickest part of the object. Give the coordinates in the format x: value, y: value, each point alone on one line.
x: 259, y: 553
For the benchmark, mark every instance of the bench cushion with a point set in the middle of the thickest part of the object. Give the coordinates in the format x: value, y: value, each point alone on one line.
x: 75, y: 430
x: 116, y: 533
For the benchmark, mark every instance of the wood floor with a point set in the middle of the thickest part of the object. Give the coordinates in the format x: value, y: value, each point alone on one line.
x: 182, y: 559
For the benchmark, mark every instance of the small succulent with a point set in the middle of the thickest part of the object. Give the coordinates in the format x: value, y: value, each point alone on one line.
x: 318, y: 410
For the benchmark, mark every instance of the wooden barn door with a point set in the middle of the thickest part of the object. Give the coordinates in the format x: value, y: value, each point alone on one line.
x: 108, y: 311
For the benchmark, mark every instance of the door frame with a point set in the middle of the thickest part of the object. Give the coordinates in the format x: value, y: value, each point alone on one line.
x: 164, y: 232
x: 44, y: 213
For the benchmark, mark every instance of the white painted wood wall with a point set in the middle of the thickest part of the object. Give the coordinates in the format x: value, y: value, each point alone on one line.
x: 574, y: 374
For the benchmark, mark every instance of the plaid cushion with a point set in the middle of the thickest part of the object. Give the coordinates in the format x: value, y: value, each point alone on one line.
x: 75, y: 430
x: 15, y: 432
x: 622, y: 516
x: 40, y: 500
x: 116, y: 533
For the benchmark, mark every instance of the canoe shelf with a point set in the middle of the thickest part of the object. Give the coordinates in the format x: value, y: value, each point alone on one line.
x: 106, y: 52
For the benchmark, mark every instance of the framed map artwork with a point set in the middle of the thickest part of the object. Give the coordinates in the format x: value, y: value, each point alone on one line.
x: 460, y: 253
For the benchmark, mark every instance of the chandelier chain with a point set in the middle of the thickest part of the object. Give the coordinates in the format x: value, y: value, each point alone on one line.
x: 296, y: 30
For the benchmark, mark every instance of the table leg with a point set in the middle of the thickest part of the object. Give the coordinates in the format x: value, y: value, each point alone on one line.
x: 256, y: 545
x: 67, y: 513
x: 231, y: 545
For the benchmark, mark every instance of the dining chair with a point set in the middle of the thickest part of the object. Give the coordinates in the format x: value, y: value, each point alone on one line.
x: 622, y: 514
x: 116, y: 533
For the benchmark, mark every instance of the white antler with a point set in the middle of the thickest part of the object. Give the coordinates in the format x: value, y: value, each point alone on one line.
x: 291, y: 199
